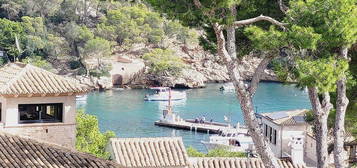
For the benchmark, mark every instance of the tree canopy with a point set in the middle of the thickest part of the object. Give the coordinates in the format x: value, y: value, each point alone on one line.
x: 89, y: 139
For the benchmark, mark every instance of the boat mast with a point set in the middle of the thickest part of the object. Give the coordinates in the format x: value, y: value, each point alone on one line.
x: 169, y: 103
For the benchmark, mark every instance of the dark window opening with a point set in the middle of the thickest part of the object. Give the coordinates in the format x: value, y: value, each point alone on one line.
x: 270, y: 134
x: 274, y: 137
x: 40, y: 113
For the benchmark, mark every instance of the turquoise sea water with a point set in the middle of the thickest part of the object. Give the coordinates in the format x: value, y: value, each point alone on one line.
x: 127, y: 114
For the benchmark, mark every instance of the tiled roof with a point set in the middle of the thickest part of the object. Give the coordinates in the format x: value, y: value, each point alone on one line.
x: 221, y: 162
x: 288, y: 119
x: 21, y: 152
x: 25, y: 79
x: 149, y: 152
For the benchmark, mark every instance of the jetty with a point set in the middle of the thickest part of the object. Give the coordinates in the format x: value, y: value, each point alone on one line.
x: 191, y: 125
x: 172, y: 120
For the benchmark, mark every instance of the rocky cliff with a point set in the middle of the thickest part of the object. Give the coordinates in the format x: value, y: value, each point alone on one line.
x: 202, y: 67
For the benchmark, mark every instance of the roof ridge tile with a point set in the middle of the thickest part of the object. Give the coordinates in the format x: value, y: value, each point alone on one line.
x: 32, y: 80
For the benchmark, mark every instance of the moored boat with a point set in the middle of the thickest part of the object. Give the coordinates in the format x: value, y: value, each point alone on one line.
x: 232, y: 140
x: 81, y: 98
x: 227, y: 87
x: 164, y: 94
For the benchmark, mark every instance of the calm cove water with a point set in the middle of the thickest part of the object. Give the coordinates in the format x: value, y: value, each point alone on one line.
x: 127, y: 114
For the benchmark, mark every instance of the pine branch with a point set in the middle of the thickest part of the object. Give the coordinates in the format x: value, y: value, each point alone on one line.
x: 257, y: 19
x: 282, y: 7
x: 258, y: 73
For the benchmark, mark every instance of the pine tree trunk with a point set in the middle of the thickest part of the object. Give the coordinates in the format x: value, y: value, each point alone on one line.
x: 340, y: 155
x: 321, y: 131
x: 244, y: 96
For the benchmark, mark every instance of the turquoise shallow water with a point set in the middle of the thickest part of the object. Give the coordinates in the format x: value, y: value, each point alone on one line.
x: 128, y: 115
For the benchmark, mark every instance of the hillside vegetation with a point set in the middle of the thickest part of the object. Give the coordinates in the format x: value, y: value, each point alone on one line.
x: 77, y: 35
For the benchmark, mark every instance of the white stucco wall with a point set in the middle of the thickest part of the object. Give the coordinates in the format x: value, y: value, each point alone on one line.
x: 288, y: 133
x: 277, y: 147
x: 3, y: 106
x: 283, y: 137
x: 59, y: 133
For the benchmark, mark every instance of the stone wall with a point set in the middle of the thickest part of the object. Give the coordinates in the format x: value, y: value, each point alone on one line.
x: 62, y: 133
x: 59, y: 134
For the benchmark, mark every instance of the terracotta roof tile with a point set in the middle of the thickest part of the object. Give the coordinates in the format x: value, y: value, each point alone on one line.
x: 222, y: 162
x: 149, y: 152
x: 18, y: 151
x: 25, y: 79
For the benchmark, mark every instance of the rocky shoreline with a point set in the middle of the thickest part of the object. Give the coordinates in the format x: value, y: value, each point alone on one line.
x: 129, y: 70
x: 196, y: 76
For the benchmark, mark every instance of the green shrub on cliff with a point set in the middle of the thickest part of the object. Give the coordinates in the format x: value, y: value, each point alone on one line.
x: 89, y: 139
x: 164, y: 62
x: 192, y: 152
x: 38, y: 61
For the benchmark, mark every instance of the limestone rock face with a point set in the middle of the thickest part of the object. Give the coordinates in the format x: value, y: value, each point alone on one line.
x: 86, y: 81
x: 188, y: 79
x: 104, y: 83
x: 201, y: 67
x: 248, y: 66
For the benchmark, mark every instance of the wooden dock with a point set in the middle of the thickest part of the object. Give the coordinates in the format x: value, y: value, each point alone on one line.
x: 191, y: 125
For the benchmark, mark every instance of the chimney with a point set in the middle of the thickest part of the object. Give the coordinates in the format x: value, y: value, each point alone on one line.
x: 297, y: 150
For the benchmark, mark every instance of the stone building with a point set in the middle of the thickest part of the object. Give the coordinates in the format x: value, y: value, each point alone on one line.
x: 290, y: 136
x: 286, y: 133
x: 235, y: 162
x: 169, y: 152
x: 38, y: 104
x: 163, y: 152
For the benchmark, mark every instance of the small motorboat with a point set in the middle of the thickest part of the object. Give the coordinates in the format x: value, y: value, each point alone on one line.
x: 81, y: 98
x: 234, y: 141
x: 227, y: 87
x: 165, y: 94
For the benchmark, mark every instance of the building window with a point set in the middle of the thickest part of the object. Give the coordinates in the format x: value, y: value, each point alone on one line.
x: 274, y: 137
x: 270, y: 134
x: 40, y: 113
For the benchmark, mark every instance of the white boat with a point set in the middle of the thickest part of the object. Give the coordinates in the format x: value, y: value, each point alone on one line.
x: 81, y: 98
x: 164, y: 94
x: 227, y: 87
x: 234, y: 141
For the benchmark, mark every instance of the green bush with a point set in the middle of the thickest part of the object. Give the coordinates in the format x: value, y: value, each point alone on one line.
x: 38, y: 61
x: 224, y: 153
x: 132, y: 24
x: 102, y: 71
x: 81, y: 71
x: 3, y: 61
x: 220, y: 152
x: 89, y: 139
x: 192, y: 152
x: 74, y: 64
x: 162, y: 62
